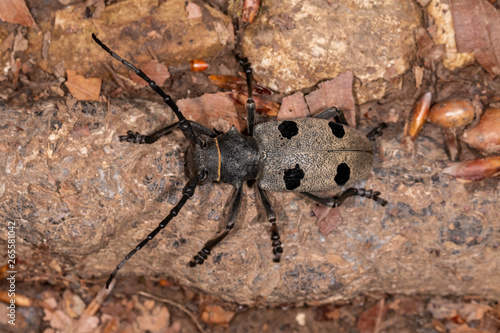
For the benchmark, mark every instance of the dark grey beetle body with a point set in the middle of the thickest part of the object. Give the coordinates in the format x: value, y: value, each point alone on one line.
x: 303, y: 155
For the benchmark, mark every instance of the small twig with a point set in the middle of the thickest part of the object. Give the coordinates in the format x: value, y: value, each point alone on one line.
x: 177, y: 305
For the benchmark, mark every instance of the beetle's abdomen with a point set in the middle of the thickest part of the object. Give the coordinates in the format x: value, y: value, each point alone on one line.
x: 310, y: 155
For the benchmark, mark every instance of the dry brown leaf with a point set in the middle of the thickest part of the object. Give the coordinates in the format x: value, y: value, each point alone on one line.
x: 336, y: 92
x: 238, y: 84
x: 477, y: 29
x: 263, y: 106
x: 86, y: 323
x: 58, y: 319
x: 193, y: 10
x: 156, y: 71
x: 211, y: 110
x: 73, y: 304
x: 370, y: 320
x: 293, y: 106
x: 327, y: 218
x: 82, y: 88
x: 16, y: 12
x: 157, y: 321
x: 215, y: 314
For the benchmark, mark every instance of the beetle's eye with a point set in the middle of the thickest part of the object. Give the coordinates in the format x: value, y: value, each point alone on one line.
x: 204, y: 175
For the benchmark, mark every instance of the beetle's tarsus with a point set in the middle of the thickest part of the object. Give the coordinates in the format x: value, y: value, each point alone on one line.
x: 133, y: 137
x: 350, y: 192
x: 376, y: 132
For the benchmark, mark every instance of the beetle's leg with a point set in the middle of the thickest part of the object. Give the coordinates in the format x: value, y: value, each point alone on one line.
x: 187, y: 192
x: 334, y: 113
x: 135, y: 137
x: 339, y: 199
x: 376, y: 132
x: 234, y: 204
x: 250, y: 105
x: 271, y: 217
x: 184, y: 124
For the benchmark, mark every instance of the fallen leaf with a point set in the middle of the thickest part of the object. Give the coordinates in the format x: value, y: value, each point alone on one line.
x: 16, y: 12
x: 86, y: 323
x: 327, y: 218
x: 58, y: 319
x: 157, y: 321
x: 215, y: 314
x: 156, y: 71
x: 370, y: 320
x: 263, y: 106
x: 73, y: 304
x: 336, y: 92
x: 212, y: 109
x: 193, y: 10
x: 293, y: 106
x: 238, y: 84
x: 82, y: 88
x: 477, y: 29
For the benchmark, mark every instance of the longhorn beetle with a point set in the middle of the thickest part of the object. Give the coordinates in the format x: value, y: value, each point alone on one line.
x: 302, y: 155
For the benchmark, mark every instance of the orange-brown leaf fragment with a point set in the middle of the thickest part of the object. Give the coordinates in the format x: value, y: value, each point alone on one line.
x: 336, y: 92
x: 237, y: 83
x: 327, y: 218
x: 475, y: 169
x: 263, y: 106
x: 293, y: 106
x: 212, y: 109
x: 215, y: 314
x: 156, y: 71
x: 81, y: 88
x: 16, y: 11
x: 193, y: 10
x: 477, y: 29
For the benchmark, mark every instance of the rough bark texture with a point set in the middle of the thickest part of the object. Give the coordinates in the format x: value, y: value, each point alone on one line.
x: 295, y: 44
x: 82, y: 200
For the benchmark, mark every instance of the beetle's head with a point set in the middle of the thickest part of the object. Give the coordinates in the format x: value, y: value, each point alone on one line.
x: 206, y: 158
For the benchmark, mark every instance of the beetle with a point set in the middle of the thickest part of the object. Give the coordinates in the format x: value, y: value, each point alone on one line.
x: 302, y: 155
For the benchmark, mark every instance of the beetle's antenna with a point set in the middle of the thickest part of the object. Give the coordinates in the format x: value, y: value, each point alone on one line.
x: 184, y: 124
x: 187, y: 192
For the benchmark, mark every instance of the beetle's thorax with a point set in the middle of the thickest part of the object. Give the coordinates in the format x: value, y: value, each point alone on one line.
x: 229, y: 158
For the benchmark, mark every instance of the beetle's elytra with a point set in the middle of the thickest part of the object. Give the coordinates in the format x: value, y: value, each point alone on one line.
x: 303, y: 155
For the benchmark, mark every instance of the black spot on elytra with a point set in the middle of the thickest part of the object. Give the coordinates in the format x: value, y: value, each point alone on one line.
x: 337, y: 129
x: 288, y: 129
x: 293, y: 177
x: 343, y: 174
